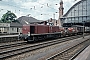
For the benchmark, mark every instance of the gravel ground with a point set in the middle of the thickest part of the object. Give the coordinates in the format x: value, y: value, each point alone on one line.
x: 25, y: 55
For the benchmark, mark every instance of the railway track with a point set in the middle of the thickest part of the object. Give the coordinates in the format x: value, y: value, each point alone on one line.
x: 4, y: 46
x: 12, y: 45
x: 70, y: 53
x: 22, y: 49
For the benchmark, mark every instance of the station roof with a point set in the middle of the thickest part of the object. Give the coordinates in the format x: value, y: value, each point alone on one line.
x: 15, y: 25
x: 71, y: 8
x: 27, y: 20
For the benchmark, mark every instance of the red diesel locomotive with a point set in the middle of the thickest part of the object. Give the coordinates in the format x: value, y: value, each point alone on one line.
x: 40, y: 32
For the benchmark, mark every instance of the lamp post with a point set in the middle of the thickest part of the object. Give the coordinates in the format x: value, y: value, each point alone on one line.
x: 54, y: 18
x: 83, y: 28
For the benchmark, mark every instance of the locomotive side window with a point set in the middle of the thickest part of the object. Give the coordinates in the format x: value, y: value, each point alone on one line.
x: 32, y: 29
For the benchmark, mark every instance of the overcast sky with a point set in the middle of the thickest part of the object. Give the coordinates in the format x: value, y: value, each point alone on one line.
x: 35, y: 8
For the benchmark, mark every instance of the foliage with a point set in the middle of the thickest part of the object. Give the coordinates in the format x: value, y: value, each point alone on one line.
x: 8, y: 17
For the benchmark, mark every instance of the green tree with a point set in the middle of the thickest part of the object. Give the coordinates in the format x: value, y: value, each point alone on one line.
x: 8, y: 17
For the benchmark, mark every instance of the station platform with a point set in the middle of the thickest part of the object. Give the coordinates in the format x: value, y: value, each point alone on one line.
x: 84, y: 55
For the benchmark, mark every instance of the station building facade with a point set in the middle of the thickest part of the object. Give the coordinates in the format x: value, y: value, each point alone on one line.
x: 78, y: 14
x: 10, y: 28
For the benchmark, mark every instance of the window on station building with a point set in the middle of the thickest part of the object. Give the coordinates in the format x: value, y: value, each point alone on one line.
x: 12, y: 29
x: 0, y: 30
x: 76, y: 19
x: 84, y: 13
x: 69, y: 20
x: 88, y: 19
x: 7, y: 29
x: 73, y: 20
x: 66, y: 20
x: 84, y: 18
x: 76, y: 11
x: 84, y: 3
x: 80, y: 19
x: 88, y: 9
x: 80, y: 9
x: 88, y: 12
x: 84, y: 10
x: 70, y: 14
x: 73, y: 12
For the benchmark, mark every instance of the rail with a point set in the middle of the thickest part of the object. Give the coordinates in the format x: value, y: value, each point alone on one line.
x: 73, y: 57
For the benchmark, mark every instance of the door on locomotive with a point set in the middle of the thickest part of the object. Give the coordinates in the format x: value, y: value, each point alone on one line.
x: 32, y: 29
